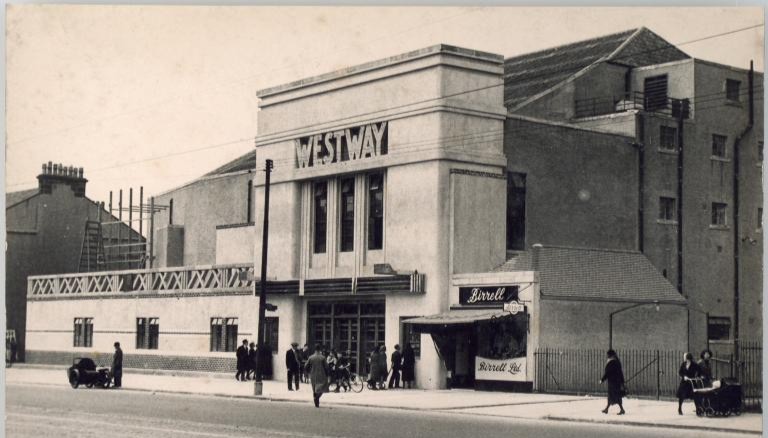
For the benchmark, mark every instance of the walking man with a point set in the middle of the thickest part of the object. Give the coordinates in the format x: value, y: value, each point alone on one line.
x: 293, y: 365
x: 117, y: 366
x: 397, y: 364
x: 250, y: 365
x: 318, y: 374
x: 242, y: 360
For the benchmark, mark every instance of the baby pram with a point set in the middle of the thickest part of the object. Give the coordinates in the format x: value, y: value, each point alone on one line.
x: 723, y: 398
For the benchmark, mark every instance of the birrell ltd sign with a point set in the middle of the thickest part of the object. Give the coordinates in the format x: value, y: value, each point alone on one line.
x: 510, y: 370
x: 350, y: 144
x: 475, y: 296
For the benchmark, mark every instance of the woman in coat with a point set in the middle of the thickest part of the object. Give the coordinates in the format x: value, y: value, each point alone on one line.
x: 615, y: 377
x: 409, y: 363
x: 375, y: 373
x: 317, y: 367
x: 383, y: 372
x: 688, y: 370
x: 705, y: 367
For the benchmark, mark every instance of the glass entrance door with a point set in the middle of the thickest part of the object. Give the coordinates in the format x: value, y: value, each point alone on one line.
x: 346, y: 334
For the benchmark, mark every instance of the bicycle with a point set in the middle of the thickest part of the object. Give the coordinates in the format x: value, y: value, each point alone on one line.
x: 348, y: 381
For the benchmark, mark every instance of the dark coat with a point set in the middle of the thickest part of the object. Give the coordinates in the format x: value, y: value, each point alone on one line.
x: 292, y: 360
x: 242, y: 357
x: 382, y: 360
x: 614, y: 375
x: 117, y: 363
x: 397, y: 360
x: 685, y: 390
x: 318, y: 373
x: 251, y: 360
x: 409, y: 363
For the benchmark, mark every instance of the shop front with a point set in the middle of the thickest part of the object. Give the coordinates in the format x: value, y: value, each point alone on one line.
x: 484, y: 341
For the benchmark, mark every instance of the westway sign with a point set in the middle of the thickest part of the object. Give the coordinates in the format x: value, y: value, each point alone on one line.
x: 351, y: 144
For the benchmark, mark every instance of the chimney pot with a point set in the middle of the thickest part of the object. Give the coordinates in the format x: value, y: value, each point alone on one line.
x: 50, y: 167
x: 80, y: 172
x: 44, y: 167
x: 70, y: 171
x: 55, y: 169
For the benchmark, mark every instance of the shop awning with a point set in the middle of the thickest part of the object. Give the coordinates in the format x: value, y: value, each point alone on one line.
x: 461, y: 316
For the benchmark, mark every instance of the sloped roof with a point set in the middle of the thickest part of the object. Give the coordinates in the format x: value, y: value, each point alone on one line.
x: 13, y: 198
x: 529, y: 75
x: 585, y: 273
x: 244, y: 162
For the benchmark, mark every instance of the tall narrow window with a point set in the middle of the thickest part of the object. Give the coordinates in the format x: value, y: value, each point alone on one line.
x: 668, y: 138
x: 249, y: 204
x: 719, y: 214
x: 376, y: 211
x: 655, y: 93
x: 733, y: 90
x: 347, y: 214
x: 83, y: 332
x: 667, y: 210
x: 147, y: 333
x: 272, y: 328
x: 759, y: 218
x: 223, y: 334
x: 515, y: 211
x: 718, y: 145
x: 321, y: 216
x: 170, y: 212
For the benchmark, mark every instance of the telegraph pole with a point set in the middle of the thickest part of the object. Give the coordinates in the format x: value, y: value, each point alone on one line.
x: 263, y: 282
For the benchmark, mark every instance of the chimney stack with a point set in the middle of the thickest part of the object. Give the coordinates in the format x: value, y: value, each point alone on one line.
x: 58, y: 174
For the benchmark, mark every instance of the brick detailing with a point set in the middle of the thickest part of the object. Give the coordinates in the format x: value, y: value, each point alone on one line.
x: 142, y: 361
x: 477, y: 173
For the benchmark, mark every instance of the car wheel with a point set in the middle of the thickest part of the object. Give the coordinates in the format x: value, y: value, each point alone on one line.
x: 74, y: 379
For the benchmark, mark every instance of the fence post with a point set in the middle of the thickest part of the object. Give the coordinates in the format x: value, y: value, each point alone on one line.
x: 658, y: 377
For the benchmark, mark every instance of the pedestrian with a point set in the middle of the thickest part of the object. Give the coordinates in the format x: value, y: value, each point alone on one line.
x: 293, y: 365
x: 242, y: 360
x: 332, y: 361
x: 397, y: 364
x: 615, y: 377
x: 688, y: 370
x: 304, y: 356
x: 14, y: 349
x: 250, y: 364
x: 705, y: 367
x: 374, y: 375
x: 382, y: 358
x: 342, y: 370
x: 409, y: 365
x: 117, y: 366
x: 317, y: 367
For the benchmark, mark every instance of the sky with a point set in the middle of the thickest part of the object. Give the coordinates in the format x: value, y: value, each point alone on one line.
x: 158, y: 95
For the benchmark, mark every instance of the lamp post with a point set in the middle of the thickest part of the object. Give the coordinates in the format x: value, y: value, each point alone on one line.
x: 610, y: 318
x: 257, y: 384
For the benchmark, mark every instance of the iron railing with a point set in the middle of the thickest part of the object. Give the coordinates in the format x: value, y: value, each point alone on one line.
x: 602, y: 105
x: 648, y: 373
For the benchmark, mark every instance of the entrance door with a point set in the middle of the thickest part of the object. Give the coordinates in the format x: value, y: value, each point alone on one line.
x: 346, y: 335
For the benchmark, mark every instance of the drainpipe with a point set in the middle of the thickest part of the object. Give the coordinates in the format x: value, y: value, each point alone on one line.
x: 736, y: 240
x: 640, y: 145
x: 680, y: 125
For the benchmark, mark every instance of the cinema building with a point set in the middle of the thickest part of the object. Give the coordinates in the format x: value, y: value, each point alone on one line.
x: 472, y: 206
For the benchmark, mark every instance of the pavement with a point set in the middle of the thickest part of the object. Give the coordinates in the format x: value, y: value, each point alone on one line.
x: 534, y: 406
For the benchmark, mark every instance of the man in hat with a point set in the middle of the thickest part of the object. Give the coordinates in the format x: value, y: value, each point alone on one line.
x: 293, y: 365
x: 242, y: 360
x: 117, y: 366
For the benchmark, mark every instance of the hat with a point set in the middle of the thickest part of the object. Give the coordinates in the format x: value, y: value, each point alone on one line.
x: 294, y: 344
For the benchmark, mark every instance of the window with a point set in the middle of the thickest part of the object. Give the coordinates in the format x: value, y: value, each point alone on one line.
x: 83, y: 332
x: 667, y: 210
x: 515, y: 211
x: 733, y: 90
x: 170, y: 212
x: 321, y: 215
x: 223, y: 334
x: 759, y: 218
x: 655, y: 93
x: 347, y: 214
x: 718, y: 214
x: 410, y: 336
x: 719, y: 328
x: 718, y: 145
x: 376, y: 211
x: 668, y: 138
x: 760, y: 151
x: 249, y: 204
x: 147, y: 333
x: 271, y: 327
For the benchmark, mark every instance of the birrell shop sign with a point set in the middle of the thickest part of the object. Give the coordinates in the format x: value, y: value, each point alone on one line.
x: 475, y: 296
x: 510, y: 370
x: 351, y: 144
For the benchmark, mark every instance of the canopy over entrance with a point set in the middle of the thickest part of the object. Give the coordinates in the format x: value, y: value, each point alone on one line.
x: 431, y: 323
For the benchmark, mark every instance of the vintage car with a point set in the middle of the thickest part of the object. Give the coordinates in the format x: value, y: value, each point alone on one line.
x: 84, y: 371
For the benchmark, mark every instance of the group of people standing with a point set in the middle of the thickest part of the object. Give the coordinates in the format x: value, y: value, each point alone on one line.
x: 246, y: 361
x: 400, y: 362
x: 689, y: 370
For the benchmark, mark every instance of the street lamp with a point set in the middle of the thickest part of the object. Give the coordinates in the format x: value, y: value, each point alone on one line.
x: 610, y: 319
